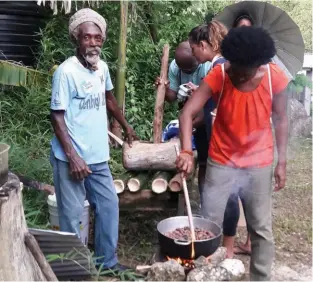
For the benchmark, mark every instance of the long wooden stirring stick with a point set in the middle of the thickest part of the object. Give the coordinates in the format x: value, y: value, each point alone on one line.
x: 190, y: 219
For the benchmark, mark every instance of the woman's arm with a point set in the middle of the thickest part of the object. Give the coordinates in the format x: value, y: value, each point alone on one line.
x: 280, y: 121
x: 194, y: 105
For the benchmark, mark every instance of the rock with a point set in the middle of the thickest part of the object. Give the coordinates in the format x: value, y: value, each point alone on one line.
x: 208, y: 273
x: 235, y: 267
x: 201, y: 261
x: 218, y: 256
x: 301, y: 127
x: 300, y: 124
x: 284, y: 273
x: 170, y: 270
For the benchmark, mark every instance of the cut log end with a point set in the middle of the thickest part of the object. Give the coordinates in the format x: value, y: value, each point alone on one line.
x: 159, y: 186
x: 175, y: 186
x: 133, y: 185
x: 119, y: 186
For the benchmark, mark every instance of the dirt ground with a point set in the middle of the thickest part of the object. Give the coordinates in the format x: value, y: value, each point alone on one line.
x: 292, y: 219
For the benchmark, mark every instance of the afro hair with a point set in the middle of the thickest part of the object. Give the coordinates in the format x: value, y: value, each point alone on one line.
x: 248, y: 46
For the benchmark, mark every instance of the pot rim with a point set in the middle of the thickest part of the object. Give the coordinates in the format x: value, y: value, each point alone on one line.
x: 186, y: 217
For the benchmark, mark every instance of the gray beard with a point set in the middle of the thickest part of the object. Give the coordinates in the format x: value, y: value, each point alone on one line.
x: 92, y: 59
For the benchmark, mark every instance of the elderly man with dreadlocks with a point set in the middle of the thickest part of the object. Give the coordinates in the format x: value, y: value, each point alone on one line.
x: 81, y: 96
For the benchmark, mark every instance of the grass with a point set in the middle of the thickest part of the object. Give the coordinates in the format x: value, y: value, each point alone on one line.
x: 293, y: 205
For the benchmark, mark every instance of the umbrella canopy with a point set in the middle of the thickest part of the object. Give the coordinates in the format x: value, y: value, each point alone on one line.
x: 284, y: 31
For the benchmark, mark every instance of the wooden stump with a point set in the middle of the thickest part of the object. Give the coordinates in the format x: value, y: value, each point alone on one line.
x: 17, y: 262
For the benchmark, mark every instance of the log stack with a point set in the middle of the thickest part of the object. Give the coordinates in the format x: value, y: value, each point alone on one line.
x: 151, y: 166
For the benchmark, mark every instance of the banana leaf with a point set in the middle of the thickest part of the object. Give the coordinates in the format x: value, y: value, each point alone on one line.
x: 16, y: 75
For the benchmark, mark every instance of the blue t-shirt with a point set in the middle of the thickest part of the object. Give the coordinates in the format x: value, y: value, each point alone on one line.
x: 176, y: 77
x: 81, y: 94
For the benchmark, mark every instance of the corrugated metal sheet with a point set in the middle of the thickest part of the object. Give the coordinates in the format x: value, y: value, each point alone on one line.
x: 70, y: 259
x: 19, y: 23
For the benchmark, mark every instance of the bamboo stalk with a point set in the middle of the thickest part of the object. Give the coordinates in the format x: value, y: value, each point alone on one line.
x: 175, y: 184
x: 137, y: 182
x: 121, y: 65
x: 160, y: 182
x: 120, y: 182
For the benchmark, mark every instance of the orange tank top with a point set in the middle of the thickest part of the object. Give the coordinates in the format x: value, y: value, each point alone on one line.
x: 242, y: 133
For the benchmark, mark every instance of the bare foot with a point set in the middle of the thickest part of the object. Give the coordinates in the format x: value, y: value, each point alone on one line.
x: 243, y: 249
x: 228, y: 243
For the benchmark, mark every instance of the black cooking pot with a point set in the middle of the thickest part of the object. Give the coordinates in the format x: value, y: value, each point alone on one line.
x: 177, y: 248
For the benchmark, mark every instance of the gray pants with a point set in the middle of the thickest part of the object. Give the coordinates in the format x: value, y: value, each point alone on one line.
x: 254, y: 186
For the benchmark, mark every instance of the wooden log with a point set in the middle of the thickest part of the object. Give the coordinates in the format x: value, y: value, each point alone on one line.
x: 175, y: 184
x: 17, y: 262
x: 149, y: 156
x: 160, y: 182
x: 159, y: 103
x: 121, y: 181
x: 137, y: 182
x: 34, y: 248
x: 143, y: 269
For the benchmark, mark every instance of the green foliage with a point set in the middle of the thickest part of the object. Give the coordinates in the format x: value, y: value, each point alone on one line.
x: 75, y: 256
x: 299, y: 83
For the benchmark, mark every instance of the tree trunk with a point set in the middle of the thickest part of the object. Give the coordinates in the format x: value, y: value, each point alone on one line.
x: 151, y: 22
x: 121, y: 68
x: 148, y: 156
x: 137, y: 182
x: 17, y: 262
x: 159, y: 103
x: 160, y: 182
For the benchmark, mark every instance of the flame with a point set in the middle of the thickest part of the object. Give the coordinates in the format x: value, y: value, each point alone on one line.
x: 189, y: 263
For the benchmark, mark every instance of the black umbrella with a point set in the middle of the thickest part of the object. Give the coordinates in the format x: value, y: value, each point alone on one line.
x: 284, y: 31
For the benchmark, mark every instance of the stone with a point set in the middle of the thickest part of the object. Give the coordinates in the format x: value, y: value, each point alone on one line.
x: 170, y: 270
x: 235, y: 267
x: 201, y: 261
x: 208, y: 273
x: 218, y: 256
x: 284, y: 273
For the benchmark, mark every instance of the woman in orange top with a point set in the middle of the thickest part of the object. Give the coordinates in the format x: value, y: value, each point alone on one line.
x: 248, y: 90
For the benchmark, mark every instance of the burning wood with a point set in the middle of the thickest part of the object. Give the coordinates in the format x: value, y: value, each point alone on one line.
x: 188, y: 264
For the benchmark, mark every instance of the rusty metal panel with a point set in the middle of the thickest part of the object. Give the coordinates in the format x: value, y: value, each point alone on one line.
x: 68, y: 256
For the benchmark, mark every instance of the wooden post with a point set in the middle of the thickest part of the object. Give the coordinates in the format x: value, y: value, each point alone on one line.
x: 159, y: 103
x: 17, y: 262
x: 121, y: 68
